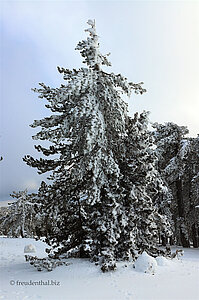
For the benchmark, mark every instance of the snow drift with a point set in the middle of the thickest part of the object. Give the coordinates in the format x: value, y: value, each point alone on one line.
x: 146, y: 263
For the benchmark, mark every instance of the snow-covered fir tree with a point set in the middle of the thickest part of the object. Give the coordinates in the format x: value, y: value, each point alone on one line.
x: 83, y: 207
x: 190, y: 186
x: 178, y: 164
x: 20, y: 216
x: 168, y: 138
x: 145, y: 193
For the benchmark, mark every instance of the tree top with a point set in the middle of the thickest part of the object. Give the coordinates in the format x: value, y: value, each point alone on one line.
x: 89, y: 49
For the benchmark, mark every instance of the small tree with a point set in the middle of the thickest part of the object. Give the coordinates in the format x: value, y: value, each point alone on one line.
x: 19, y: 219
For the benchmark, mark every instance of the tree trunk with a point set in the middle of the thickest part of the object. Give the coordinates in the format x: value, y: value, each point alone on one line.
x: 194, y: 236
x: 171, y: 241
x: 163, y: 240
x: 183, y: 238
x: 22, y: 232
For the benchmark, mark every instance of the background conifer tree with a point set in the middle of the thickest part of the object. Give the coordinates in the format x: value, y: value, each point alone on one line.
x: 144, y: 189
x: 179, y: 166
x: 19, y: 220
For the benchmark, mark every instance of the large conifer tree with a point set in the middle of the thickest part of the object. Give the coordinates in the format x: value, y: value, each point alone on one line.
x: 84, y: 204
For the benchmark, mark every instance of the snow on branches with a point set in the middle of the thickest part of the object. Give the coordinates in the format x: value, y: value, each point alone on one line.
x: 94, y: 206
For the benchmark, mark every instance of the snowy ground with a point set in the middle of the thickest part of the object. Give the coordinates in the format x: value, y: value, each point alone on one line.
x: 82, y: 280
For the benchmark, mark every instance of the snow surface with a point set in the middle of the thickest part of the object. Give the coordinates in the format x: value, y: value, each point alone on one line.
x: 162, y: 261
x: 173, y: 280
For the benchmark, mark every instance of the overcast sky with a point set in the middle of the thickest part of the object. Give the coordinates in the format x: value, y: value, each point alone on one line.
x: 156, y: 42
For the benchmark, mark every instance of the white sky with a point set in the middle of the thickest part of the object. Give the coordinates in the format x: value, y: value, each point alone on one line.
x: 156, y: 42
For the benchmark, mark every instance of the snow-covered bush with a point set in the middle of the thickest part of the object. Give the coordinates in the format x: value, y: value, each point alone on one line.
x: 45, y: 263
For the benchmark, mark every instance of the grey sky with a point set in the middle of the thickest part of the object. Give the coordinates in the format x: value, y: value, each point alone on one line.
x: 152, y: 41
